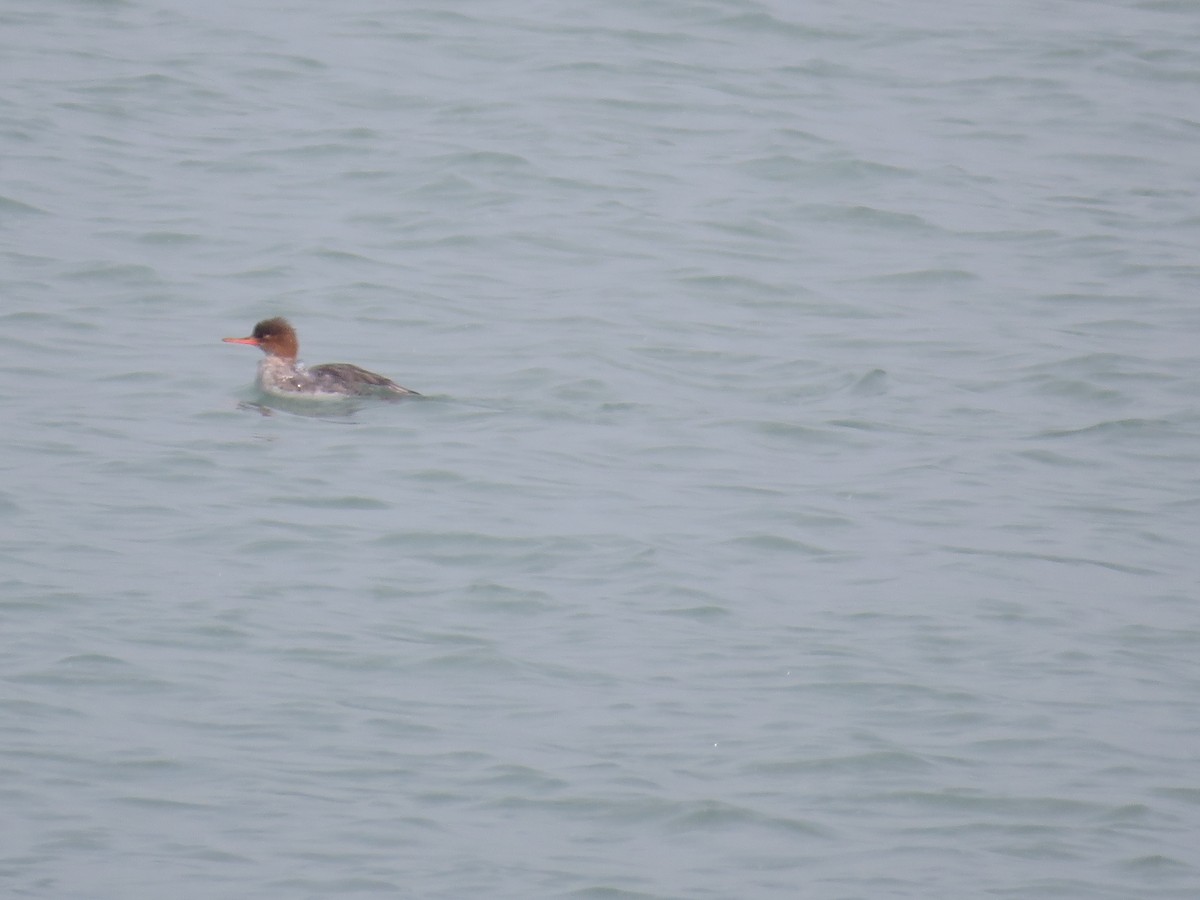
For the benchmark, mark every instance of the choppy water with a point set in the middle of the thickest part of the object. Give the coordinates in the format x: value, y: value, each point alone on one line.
x: 806, y: 502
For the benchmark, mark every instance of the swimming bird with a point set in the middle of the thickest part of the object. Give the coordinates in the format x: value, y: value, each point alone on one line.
x: 280, y: 373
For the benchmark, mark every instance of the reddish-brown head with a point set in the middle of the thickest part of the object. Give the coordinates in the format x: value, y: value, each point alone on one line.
x: 275, y: 337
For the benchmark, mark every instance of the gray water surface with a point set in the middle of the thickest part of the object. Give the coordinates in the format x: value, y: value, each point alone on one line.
x: 804, y: 502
